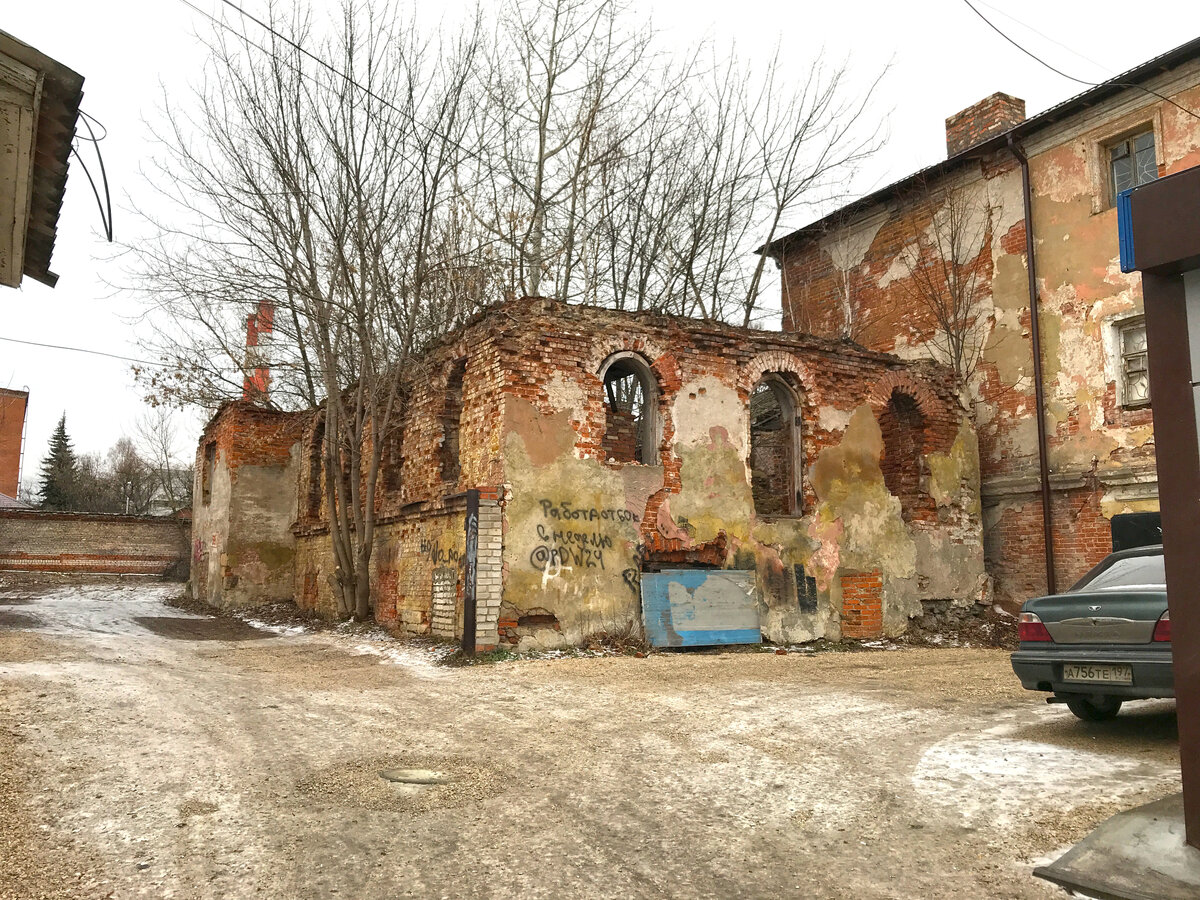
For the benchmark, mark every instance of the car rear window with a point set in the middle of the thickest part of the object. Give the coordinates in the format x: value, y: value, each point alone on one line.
x: 1123, y: 574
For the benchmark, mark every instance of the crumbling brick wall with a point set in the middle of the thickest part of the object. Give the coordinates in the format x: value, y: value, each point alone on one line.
x: 245, y: 504
x: 567, y: 527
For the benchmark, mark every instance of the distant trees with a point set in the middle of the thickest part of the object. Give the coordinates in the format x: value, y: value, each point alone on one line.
x: 130, y: 478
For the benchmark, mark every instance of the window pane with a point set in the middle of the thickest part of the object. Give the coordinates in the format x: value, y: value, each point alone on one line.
x: 1122, y: 175
x: 1147, y: 166
x: 1144, y: 142
x: 1133, y: 338
x: 1119, y: 151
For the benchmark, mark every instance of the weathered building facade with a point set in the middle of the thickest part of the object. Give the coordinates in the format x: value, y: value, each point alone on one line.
x: 609, y: 444
x: 966, y: 227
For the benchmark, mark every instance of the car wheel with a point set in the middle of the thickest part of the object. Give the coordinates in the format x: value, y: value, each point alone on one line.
x: 1096, y: 708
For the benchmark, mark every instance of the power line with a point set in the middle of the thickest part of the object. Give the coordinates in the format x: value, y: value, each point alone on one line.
x: 144, y: 362
x: 1057, y: 71
x: 1046, y: 37
x: 104, y: 205
x: 319, y: 61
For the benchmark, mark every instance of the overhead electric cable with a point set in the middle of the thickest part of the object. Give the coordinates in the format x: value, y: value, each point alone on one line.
x: 144, y: 362
x: 325, y: 65
x: 105, y: 217
x: 1057, y: 71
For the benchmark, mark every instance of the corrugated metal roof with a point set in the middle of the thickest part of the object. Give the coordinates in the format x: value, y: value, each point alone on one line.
x: 1147, y: 70
x: 62, y: 91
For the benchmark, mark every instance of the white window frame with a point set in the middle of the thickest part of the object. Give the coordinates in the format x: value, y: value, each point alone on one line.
x: 1120, y: 327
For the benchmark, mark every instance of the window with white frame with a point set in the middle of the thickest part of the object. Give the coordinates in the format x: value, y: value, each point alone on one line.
x: 1135, y: 373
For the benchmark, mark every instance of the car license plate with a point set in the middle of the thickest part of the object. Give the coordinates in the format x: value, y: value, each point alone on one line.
x: 1119, y: 673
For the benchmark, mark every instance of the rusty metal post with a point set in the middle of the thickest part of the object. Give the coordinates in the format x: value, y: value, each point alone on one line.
x: 470, y: 572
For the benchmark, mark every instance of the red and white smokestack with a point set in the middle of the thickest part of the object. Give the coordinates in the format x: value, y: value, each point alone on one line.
x: 257, y: 381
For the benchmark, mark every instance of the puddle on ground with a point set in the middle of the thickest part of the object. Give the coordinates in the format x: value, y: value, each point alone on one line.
x: 10, y: 619
x: 201, y: 629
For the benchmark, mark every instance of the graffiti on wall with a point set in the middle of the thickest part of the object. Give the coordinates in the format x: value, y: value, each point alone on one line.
x: 575, y: 537
x: 439, y: 555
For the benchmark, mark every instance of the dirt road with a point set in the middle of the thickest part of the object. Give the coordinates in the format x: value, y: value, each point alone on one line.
x: 150, y: 753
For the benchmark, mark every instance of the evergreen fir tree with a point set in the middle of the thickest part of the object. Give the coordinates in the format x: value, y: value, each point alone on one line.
x: 60, y: 471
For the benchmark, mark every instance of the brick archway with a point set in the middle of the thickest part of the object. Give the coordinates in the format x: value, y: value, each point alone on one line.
x: 778, y: 361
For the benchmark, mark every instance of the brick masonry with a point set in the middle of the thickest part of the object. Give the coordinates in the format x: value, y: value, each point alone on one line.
x: 862, y: 604
x: 514, y: 405
x: 12, y: 427
x: 87, y: 543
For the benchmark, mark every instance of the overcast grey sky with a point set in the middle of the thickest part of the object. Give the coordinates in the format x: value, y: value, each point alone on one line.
x: 942, y: 58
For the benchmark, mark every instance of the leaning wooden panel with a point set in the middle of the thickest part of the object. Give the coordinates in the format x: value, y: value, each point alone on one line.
x: 700, y: 607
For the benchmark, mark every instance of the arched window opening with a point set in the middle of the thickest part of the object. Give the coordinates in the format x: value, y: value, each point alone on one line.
x: 452, y: 421
x: 316, y: 453
x: 774, y: 449
x: 903, y: 429
x: 630, y: 411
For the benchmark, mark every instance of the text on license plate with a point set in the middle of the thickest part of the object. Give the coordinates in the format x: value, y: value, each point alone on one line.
x: 1119, y: 673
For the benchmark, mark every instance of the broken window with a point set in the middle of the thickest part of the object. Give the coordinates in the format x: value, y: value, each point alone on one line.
x: 774, y: 449
x: 451, y: 422
x: 1135, y: 372
x: 206, y: 474
x: 903, y: 429
x: 630, y: 411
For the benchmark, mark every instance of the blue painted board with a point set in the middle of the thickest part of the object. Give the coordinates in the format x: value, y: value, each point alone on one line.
x: 700, y: 607
x: 1125, y: 230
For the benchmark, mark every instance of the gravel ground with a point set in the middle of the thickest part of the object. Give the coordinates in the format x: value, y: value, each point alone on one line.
x: 152, y: 752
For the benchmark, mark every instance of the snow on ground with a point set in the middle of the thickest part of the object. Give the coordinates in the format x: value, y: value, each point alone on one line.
x: 424, y: 663
x: 989, y: 775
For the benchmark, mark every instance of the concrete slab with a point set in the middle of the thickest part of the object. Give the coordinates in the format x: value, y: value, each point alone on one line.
x: 1135, y: 855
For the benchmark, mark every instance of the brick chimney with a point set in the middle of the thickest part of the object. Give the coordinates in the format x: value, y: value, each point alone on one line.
x: 989, y: 117
x: 256, y: 384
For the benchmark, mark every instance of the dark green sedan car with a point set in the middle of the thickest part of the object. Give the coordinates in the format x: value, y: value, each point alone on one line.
x: 1105, y: 641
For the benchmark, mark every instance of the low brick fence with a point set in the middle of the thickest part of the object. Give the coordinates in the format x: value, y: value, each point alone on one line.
x: 94, y: 544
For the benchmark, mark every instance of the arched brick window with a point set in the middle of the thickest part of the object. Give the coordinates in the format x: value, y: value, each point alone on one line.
x: 452, y: 421
x: 775, y: 448
x: 631, y: 425
x: 903, y: 428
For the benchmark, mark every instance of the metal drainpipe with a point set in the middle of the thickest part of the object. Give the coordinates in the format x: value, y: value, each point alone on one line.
x: 1038, y: 392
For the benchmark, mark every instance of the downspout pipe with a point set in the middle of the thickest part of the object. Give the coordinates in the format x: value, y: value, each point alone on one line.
x: 1039, y: 394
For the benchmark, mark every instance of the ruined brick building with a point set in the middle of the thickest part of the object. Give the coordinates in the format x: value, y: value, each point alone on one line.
x: 1042, y: 188
x: 608, y: 444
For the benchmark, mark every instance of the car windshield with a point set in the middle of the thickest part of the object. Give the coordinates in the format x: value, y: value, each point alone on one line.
x: 1125, y: 574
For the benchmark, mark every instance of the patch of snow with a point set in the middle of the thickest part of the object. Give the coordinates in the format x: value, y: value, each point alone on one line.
x: 276, y: 629
x: 991, y: 776
x: 424, y: 664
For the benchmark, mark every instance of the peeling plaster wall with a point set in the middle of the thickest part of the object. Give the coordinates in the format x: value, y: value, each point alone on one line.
x: 1101, y: 453
x: 243, y: 551
x: 566, y: 533
x: 579, y: 529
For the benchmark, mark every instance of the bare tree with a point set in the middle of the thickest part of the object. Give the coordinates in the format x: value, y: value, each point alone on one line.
x: 373, y: 186
x: 171, y: 478
x: 948, y: 269
x: 316, y: 174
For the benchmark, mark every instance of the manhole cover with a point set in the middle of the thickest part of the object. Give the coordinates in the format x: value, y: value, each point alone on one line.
x: 415, y: 776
